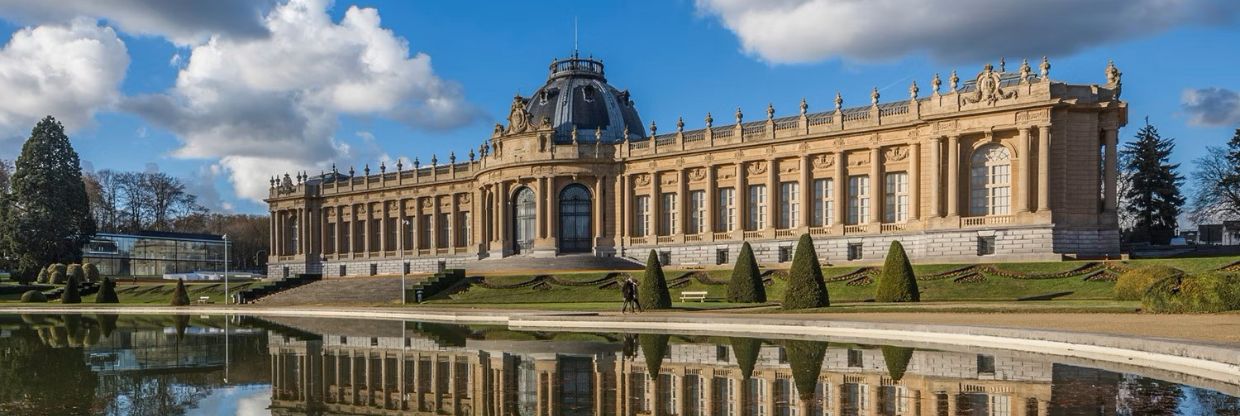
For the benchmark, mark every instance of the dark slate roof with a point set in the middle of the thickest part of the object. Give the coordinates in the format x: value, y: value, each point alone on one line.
x: 577, y: 95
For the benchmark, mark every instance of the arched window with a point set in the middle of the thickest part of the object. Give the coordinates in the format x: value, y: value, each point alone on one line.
x: 575, y: 219
x: 523, y: 221
x: 990, y: 181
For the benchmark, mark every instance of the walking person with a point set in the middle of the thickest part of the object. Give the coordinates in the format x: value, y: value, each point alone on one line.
x: 629, y: 288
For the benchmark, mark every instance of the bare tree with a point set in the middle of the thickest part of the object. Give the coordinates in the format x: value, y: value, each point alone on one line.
x: 167, y: 199
x: 1216, y: 198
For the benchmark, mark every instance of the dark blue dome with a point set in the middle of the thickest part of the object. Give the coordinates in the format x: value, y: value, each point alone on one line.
x: 577, y: 95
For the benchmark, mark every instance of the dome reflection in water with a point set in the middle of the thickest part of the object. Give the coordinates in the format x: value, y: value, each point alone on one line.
x: 207, y: 365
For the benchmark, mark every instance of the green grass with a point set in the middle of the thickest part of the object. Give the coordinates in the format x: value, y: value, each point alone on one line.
x: 157, y: 293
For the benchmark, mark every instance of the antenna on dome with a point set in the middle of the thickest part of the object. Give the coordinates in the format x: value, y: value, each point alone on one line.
x: 574, y: 36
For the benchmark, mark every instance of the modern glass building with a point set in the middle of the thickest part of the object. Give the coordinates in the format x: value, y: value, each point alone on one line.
x: 154, y: 253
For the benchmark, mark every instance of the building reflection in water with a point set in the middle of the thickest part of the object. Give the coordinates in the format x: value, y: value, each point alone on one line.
x: 420, y: 374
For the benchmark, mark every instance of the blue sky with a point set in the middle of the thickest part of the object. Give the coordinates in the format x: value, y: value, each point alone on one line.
x: 302, y: 102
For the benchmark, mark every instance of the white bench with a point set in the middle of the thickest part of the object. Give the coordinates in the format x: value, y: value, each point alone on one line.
x: 204, y: 299
x: 699, y: 296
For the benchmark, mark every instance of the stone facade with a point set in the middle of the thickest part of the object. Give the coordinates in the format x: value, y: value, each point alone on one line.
x: 1010, y: 165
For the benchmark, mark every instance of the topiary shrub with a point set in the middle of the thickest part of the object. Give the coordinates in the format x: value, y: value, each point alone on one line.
x: 654, y: 349
x: 42, y: 278
x: 806, y: 289
x: 1206, y: 292
x: 75, y: 270
x: 897, y: 283
x: 107, y: 323
x: 34, y: 296
x: 652, y: 290
x: 57, y: 268
x: 897, y: 359
x: 746, y: 284
x: 746, y: 351
x: 73, y: 288
x: 1132, y: 284
x: 805, y: 360
x: 91, y: 271
x: 179, y: 296
x: 107, y: 292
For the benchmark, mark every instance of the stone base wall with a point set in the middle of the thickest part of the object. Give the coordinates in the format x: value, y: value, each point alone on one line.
x: 393, y: 266
x: 1035, y: 243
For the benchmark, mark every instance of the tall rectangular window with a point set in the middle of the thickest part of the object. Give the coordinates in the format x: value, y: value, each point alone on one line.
x: 896, y: 201
x: 389, y: 234
x: 641, y: 215
x: 697, y: 212
x: 670, y: 212
x: 824, y: 202
x: 425, y: 228
x: 789, y: 205
x: 344, y: 237
x: 725, y: 213
x: 463, y: 230
x: 858, y: 199
x: 757, y: 207
x: 445, y: 229
x: 330, y: 241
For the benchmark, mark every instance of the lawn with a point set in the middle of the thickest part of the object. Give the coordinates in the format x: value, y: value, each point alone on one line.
x: 159, y: 292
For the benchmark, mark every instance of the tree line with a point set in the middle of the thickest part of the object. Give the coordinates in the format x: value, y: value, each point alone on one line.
x: 49, y: 209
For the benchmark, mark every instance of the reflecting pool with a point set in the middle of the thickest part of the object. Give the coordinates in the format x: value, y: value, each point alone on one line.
x: 215, y: 365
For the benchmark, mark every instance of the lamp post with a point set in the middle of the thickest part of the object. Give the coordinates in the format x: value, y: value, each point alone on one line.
x: 400, y: 253
x: 226, y: 295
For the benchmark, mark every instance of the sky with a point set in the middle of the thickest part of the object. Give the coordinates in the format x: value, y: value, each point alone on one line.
x: 228, y: 93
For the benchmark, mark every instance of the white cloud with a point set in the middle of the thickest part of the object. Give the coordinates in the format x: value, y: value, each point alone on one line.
x: 1211, y: 106
x: 270, y: 105
x: 181, y: 21
x: 68, y: 71
x: 789, y: 31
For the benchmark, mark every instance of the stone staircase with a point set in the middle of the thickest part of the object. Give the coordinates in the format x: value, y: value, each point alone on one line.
x: 565, y: 262
x: 345, y: 290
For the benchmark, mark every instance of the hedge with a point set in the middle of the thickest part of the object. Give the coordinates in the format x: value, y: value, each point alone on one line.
x: 897, y: 283
x: 746, y: 284
x: 746, y: 351
x: 897, y: 359
x: 42, y: 278
x: 1206, y: 292
x: 56, y: 277
x: 92, y: 272
x: 1132, y: 284
x: 806, y: 289
x: 75, y: 270
x: 34, y: 296
x: 652, y: 290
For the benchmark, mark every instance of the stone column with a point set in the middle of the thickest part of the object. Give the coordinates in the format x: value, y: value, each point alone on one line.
x: 1022, y: 192
x: 953, y: 175
x: 383, y: 228
x: 741, y: 198
x: 553, y: 211
x: 366, y: 231
x: 841, y: 188
x: 710, y: 201
x: 626, y: 207
x: 1109, y: 136
x: 416, y: 225
x: 656, y: 204
x: 453, y: 210
x: 435, y: 223
x: 807, y: 193
x: 936, y: 177
x: 876, y: 185
x: 336, y: 231
x: 772, y: 196
x: 321, y: 222
x: 543, y: 203
x: 914, y: 181
x: 273, y: 234
x: 1044, y: 167
x: 599, y: 206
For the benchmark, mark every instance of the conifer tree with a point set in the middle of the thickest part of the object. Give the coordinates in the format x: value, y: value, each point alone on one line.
x: 180, y: 297
x: 654, y: 350
x: 805, y: 360
x: 746, y: 351
x: 73, y: 290
x: 47, y: 213
x: 806, y: 289
x: 1153, y: 196
x: 897, y: 283
x: 652, y: 290
x: 746, y: 284
x: 107, y: 292
x: 897, y: 359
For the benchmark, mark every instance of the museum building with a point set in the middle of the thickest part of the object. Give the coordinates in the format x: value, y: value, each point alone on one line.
x: 1006, y: 165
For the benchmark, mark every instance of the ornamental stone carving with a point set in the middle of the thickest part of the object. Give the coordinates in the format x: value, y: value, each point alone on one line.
x: 859, y: 159
x: 697, y: 174
x: 518, y: 119
x: 464, y: 198
x: 988, y: 88
x: 896, y: 154
x: 757, y: 168
x: 823, y: 161
x: 642, y: 179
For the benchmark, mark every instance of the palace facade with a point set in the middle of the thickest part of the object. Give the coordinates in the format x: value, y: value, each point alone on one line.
x: 1007, y: 165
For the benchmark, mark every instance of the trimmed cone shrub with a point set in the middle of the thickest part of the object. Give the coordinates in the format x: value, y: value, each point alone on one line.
x: 42, y: 276
x: 107, y: 292
x: 1206, y: 292
x: 56, y: 277
x: 897, y: 359
x: 746, y: 284
x: 746, y: 351
x: 34, y: 296
x: 179, y: 296
x: 182, y: 323
x: 806, y: 288
x: 805, y: 360
x: 897, y: 283
x: 92, y: 272
x: 652, y: 290
x: 654, y: 349
x: 107, y: 323
x: 75, y: 270
x: 72, y: 292
x: 1132, y: 284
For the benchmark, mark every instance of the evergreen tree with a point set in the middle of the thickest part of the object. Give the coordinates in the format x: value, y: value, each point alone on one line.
x: 179, y: 296
x: 746, y: 351
x: 746, y: 284
x: 1153, y: 196
x: 73, y: 290
x: 897, y: 359
x: 652, y: 290
x: 805, y: 360
x: 897, y: 283
x: 47, y: 214
x: 107, y: 292
x: 806, y: 289
x: 654, y: 349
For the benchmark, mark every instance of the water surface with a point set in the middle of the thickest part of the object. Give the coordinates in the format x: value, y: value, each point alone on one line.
x: 215, y: 365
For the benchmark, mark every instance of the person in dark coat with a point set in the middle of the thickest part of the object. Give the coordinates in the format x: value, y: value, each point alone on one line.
x: 629, y: 289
